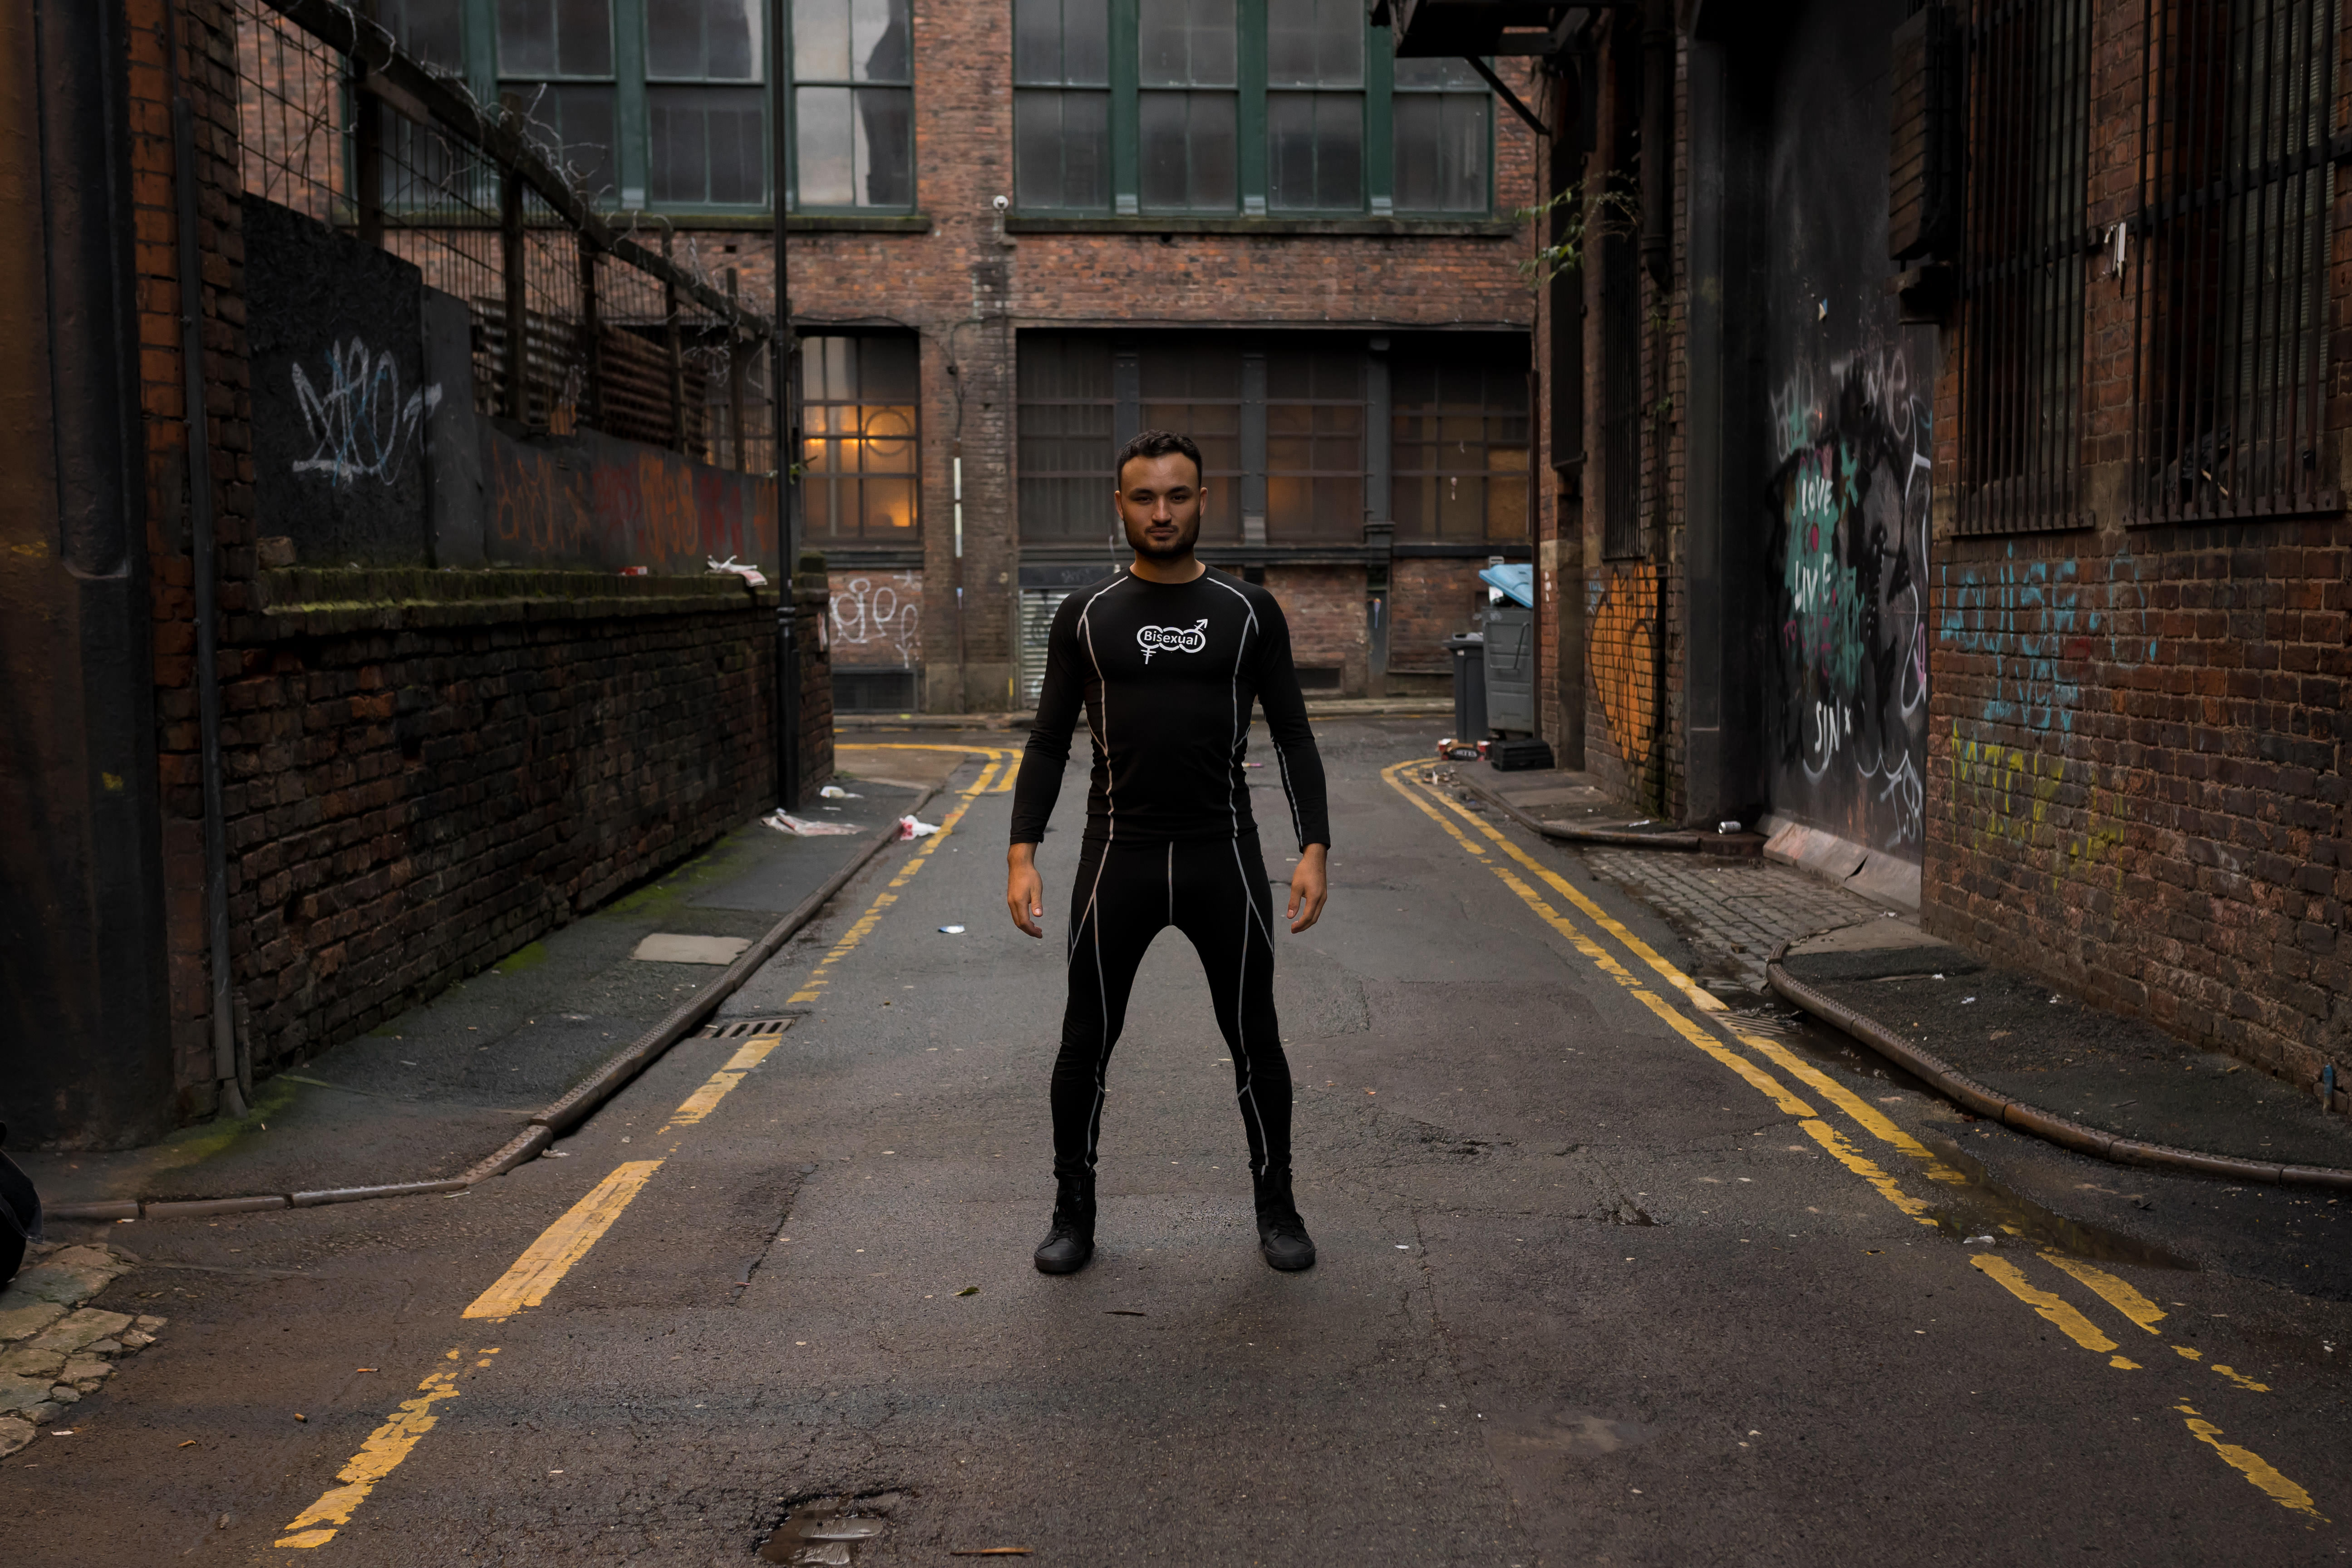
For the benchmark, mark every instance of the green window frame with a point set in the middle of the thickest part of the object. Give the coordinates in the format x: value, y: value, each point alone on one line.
x: 612, y: 107
x: 867, y: 77
x: 1315, y: 132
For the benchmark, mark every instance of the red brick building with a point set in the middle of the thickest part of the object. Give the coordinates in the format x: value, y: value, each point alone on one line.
x: 1943, y: 442
x: 1022, y: 229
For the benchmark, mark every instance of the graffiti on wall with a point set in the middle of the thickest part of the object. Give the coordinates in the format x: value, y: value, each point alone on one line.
x: 600, y: 501
x: 1847, y: 725
x: 876, y: 617
x: 2031, y: 628
x: 360, y: 426
x: 1622, y: 622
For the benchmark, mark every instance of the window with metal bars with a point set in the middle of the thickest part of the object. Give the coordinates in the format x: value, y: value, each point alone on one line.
x: 2022, y: 262
x: 2232, y: 274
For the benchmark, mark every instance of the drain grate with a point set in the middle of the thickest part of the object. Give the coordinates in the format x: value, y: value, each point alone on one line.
x: 738, y: 1028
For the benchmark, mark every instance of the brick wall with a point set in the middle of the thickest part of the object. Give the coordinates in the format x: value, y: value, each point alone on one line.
x: 408, y: 799
x: 2135, y: 781
x: 206, y: 55
x: 877, y: 620
x: 966, y: 285
x: 1633, y: 607
x: 411, y: 801
x: 1434, y: 599
x: 1325, y: 608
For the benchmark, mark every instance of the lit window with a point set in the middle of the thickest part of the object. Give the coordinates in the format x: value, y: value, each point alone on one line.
x: 858, y: 449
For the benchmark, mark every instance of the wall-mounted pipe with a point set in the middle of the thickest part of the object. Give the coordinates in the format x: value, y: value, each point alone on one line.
x: 230, y: 1069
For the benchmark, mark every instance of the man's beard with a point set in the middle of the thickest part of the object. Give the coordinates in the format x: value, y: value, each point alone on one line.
x: 1175, y: 550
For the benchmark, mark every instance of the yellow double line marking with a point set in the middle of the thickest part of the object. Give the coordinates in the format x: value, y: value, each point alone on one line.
x: 545, y: 1262
x: 2052, y: 1308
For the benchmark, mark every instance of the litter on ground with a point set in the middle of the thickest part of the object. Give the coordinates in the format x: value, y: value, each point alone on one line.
x: 801, y: 827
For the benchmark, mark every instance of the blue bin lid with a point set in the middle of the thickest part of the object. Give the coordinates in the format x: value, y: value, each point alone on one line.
x: 1516, y: 578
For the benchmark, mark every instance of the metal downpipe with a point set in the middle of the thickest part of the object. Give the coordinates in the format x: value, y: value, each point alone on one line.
x: 230, y: 1071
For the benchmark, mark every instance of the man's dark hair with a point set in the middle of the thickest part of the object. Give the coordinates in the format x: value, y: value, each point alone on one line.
x: 1156, y: 444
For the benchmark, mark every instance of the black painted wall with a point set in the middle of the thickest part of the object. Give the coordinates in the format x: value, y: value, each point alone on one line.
x: 1826, y: 400
x: 341, y: 400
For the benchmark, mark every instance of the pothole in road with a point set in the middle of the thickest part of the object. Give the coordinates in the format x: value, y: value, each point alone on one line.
x: 827, y: 1532
x: 1986, y: 1207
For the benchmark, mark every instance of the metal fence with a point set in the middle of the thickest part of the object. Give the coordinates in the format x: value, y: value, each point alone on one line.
x: 2231, y: 275
x: 581, y: 320
x: 2021, y: 265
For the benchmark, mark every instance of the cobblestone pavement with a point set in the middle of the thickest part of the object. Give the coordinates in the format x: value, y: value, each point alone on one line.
x: 53, y: 1349
x: 1733, y: 911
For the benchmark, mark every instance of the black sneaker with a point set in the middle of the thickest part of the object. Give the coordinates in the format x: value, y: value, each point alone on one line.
x: 1070, y: 1241
x: 1281, y: 1233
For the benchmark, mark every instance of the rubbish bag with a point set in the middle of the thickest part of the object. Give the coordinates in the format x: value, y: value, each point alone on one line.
x: 20, y: 1211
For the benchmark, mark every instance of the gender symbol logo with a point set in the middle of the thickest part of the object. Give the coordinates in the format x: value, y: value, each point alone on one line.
x: 1172, y: 640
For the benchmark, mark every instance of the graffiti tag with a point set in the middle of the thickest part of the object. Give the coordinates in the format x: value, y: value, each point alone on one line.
x: 360, y: 425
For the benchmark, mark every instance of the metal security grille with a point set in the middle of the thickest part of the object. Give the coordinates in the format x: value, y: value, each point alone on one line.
x: 2022, y: 265
x: 612, y: 330
x: 741, y: 1028
x: 2230, y: 280
x: 1037, y: 607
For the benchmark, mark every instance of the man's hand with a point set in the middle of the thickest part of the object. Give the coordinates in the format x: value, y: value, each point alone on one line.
x: 1309, y: 888
x: 1024, y: 890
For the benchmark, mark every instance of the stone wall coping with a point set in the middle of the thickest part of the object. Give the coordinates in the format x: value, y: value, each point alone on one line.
x: 313, y: 601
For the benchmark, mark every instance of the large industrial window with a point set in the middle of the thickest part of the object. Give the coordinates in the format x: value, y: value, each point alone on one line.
x: 1064, y: 437
x: 706, y: 112
x: 1061, y: 104
x: 1314, y: 444
x: 1459, y: 444
x: 1246, y: 108
x: 645, y: 103
x: 2022, y: 266
x: 2231, y: 279
x: 1186, y: 118
x: 853, y: 125
x: 1313, y: 106
x: 858, y: 449
x: 1441, y: 137
x: 1196, y: 388
x: 555, y: 66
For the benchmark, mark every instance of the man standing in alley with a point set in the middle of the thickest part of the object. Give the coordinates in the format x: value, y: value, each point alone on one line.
x: 1167, y: 659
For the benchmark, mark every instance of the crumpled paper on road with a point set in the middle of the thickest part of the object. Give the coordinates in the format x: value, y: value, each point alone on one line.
x: 801, y: 827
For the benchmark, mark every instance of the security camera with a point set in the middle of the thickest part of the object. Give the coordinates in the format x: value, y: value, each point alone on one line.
x: 1002, y: 202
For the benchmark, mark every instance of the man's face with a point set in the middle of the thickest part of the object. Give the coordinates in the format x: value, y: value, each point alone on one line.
x: 1159, y: 503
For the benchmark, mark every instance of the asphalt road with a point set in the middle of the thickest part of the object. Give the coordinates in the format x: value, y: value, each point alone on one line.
x: 1601, y: 1281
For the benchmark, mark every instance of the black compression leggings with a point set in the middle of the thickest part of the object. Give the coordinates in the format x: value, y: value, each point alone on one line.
x: 1214, y: 891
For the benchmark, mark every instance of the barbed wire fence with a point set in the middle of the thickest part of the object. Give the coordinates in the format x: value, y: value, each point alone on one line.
x: 582, y: 319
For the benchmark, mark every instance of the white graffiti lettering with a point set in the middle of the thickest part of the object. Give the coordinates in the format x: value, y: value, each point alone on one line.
x: 360, y: 428
x: 870, y: 617
x: 1172, y: 640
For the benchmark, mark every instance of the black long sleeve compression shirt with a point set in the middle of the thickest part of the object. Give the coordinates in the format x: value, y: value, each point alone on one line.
x: 1166, y: 673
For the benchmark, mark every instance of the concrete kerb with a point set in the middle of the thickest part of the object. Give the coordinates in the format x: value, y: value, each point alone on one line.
x: 1567, y: 833
x: 1330, y: 708
x: 1974, y: 1098
x: 575, y: 1106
